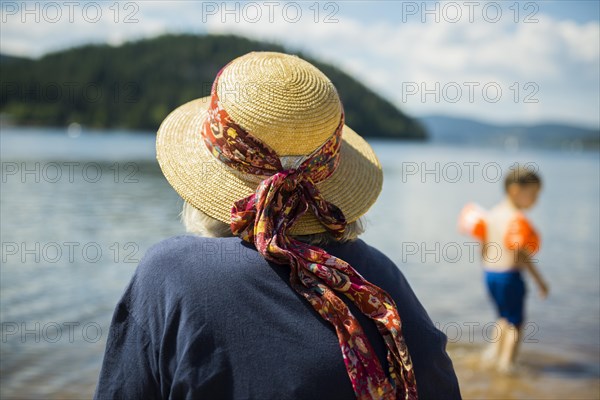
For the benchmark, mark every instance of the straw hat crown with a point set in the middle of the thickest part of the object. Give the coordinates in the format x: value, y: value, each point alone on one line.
x: 291, y: 106
x: 281, y: 99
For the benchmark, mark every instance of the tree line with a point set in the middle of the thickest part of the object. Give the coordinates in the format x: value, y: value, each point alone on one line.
x: 135, y: 85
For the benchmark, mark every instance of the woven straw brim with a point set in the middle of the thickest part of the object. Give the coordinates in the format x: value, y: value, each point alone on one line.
x: 212, y: 187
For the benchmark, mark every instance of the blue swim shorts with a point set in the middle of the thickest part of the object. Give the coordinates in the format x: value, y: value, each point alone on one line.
x: 507, y: 290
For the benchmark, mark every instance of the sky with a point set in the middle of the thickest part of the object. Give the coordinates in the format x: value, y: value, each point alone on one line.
x: 505, y: 62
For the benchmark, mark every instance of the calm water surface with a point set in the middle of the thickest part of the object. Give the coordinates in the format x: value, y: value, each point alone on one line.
x: 78, y: 213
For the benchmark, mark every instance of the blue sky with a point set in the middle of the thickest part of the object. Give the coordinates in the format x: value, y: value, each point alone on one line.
x: 579, y: 11
x: 503, y: 61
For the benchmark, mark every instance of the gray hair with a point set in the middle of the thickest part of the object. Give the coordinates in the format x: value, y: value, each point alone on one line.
x: 198, y: 223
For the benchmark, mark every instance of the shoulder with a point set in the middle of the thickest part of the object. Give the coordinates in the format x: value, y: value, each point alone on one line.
x: 520, y: 219
x: 361, y: 248
x: 179, y: 269
x: 518, y: 224
x: 374, y: 266
x: 168, y: 255
x: 175, y: 248
x: 181, y: 261
x: 520, y: 234
x: 184, y: 250
x: 365, y: 256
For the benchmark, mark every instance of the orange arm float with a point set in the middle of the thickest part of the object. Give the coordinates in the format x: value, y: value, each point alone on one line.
x: 520, y: 235
x: 471, y: 221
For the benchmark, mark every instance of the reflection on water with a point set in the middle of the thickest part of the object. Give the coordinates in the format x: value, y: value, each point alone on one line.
x: 79, y: 212
x: 541, y: 375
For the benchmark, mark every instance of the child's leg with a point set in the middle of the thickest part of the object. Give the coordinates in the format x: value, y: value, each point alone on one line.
x: 509, y: 347
x: 512, y: 310
x: 492, y: 352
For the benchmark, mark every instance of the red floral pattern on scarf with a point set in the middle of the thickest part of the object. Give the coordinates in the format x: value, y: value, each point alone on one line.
x: 265, y: 217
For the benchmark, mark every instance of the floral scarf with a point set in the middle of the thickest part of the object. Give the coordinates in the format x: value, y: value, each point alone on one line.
x: 265, y: 217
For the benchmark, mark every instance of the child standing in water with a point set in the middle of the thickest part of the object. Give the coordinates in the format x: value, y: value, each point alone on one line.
x: 508, y: 245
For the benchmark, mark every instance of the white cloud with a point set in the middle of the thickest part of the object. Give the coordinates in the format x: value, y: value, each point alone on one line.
x: 537, y: 66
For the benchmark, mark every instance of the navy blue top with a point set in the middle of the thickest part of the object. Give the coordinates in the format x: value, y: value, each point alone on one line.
x: 209, y: 318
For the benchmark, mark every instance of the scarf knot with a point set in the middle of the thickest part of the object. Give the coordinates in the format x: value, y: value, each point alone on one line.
x: 278, y: 202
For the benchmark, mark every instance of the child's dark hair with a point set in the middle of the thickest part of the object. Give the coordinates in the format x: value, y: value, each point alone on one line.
x: 521, y: 176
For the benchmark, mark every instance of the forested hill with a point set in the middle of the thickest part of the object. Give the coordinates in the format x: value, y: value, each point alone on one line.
x: 137, y: 84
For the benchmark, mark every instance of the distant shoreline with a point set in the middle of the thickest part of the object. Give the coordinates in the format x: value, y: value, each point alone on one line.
x: 574, y: 145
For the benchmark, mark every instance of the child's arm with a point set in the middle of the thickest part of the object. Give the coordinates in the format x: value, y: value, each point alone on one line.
x: 525, y: 259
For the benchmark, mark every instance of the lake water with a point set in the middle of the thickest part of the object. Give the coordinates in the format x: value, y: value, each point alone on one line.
x: 77, y: 213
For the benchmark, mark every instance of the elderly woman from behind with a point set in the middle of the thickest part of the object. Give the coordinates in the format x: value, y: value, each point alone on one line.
x: 272, y: 295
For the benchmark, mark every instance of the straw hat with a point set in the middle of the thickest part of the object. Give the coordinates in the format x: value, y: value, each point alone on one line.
x: 292, y: 107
